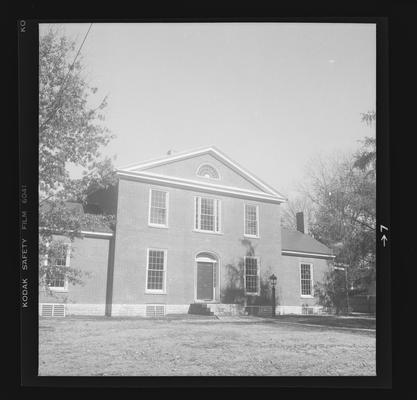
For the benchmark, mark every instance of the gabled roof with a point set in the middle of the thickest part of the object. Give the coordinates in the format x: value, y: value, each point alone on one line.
x: 298, y: 243
x: 140, y: 170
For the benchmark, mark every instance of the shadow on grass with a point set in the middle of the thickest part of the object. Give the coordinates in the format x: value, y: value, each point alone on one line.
x: 330, y: 321
x: 303, y: 321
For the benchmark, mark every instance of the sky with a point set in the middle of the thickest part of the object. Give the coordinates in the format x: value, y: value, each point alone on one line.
x: 271, y: 96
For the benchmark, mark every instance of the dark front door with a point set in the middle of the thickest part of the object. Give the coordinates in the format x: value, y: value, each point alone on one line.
x: 204, y: 281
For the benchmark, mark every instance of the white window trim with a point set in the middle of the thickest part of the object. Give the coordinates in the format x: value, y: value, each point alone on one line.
x: 150, y: 206
x: 67, y: 264
x: 257, y: 220
x: 307, y: 296
x: 258, y: 282
x: 156, y: 291
x: 208, y: 177
x: 217, y: 215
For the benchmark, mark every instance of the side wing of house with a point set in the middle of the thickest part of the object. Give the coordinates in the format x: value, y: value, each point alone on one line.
x: 91, y: 255
x: 305, y: 261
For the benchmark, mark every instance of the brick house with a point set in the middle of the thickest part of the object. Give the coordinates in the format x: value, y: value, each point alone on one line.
x: 194, y: 229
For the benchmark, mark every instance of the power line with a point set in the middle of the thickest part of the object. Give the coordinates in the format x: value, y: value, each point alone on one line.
x: 64, y: 82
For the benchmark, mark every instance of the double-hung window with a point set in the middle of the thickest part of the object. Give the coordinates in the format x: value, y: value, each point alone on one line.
x: 251, y: 220
x: 252, y: 284
x: 55, y: 278
x: 158, y: 208
x: 207, y: 214
x: 156, y: 271
x: 306, y: 276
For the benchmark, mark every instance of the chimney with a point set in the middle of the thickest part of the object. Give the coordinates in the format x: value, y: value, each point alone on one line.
x: 301, y: 223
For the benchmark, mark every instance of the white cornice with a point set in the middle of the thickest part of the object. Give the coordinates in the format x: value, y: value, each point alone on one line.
x: 199, y: 186
x: 206, y: 150
x: 304, y: 254
x: 88, y: 233
x: 101, y: 234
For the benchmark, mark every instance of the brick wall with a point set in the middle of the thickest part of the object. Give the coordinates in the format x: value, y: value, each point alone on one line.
x: 288, y: 285
x: 89, y: 255
x: 134, y: 236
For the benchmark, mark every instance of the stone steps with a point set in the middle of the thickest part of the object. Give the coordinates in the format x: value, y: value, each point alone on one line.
x: 199, y: 309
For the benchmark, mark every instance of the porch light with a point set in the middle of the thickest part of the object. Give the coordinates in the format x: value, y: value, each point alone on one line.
x: 273, y: 280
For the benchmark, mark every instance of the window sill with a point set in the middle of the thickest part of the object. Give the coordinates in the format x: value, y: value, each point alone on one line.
x: 252, y: 294
x: 158, y: 226
x: 155, y: 292
x: 207, y: 301
x: 307, y: 296
x: 209, y: 232
x: 251, y: 236
x: 58, y: 289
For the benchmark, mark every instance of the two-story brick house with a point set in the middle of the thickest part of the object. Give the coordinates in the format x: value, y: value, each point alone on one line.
x: 196, y: 227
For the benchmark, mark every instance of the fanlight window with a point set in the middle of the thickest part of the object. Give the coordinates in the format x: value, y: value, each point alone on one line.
x: 207, y: 171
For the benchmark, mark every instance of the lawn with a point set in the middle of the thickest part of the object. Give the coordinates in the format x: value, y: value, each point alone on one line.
x: 230, y: 346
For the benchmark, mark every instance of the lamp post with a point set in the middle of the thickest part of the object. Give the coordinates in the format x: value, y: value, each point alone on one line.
x: 346, y: 284
x: 273, y: 280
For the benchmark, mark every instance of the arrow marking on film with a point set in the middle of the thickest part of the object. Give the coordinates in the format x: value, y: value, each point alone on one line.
x: 384, y: 239
x: 382, y: 227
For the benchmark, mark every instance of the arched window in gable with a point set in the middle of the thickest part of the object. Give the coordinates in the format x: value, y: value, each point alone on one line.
x: 207, y: 171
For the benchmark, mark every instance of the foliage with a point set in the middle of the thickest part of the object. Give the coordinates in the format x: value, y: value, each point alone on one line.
x: 233, y: 291
x: 331, y: 292
x: 71, y: 132
x: 368, y: 117
x: 345, y: 217
x: 366, y: 157
x: 342, y: 195
x: 69, y: 128
x: 48, y: 266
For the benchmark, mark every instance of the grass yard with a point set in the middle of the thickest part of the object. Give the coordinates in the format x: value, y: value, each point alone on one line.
x: 230, y: 346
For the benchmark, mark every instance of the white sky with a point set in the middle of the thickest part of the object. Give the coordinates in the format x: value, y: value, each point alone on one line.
x: 269, y: 95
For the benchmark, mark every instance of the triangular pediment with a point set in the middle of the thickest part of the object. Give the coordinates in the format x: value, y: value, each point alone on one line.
x: 189, y: 167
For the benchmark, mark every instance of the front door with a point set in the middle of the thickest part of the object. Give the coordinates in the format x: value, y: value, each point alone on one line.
x: 205, y: 281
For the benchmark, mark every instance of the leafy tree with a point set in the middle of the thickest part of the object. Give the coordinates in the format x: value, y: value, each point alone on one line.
x: 368, y: 117
x: 342, y: 192
x: 331, y: 292
x: 344, y: 199
x: 365, y: 159
x: 71, y: 132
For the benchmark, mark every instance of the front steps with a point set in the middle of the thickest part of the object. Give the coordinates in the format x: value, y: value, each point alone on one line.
x: 199, y: 309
